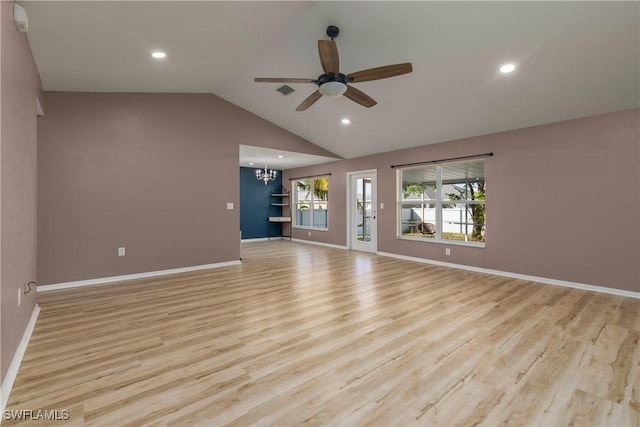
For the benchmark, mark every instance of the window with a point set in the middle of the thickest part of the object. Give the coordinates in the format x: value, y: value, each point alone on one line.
x: 311, y: 203
x: 443, y: 203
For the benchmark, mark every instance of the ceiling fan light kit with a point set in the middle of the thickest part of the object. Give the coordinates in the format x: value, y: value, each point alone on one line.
x: 333, y: 83
x: 333, y: 89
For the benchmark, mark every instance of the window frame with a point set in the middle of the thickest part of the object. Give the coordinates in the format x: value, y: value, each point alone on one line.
x: 312, y: 203
x: 438, y: 202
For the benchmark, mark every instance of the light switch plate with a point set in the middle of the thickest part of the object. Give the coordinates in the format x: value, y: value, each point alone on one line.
x: 229, y: 206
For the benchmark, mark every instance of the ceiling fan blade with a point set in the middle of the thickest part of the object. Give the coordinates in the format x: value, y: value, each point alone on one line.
x: 309, y: 101
x: 282, y: 80
x: 359, y: 97
x: 328, y: 52
x: 380, y: 72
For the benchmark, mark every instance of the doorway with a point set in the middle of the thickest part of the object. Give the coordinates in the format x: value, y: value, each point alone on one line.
x: 362, y: 226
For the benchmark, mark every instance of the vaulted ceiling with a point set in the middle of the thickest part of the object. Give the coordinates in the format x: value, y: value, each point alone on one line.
x: 573, y: 59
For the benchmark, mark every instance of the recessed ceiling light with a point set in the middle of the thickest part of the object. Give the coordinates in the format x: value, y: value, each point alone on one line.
x: 158, y: 54
x: 280, y: 156
x: 346, y: 121
x: 250, y: 163
x: 507, y: 68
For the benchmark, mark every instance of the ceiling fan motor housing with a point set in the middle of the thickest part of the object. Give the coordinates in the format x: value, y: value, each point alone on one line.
x: 332, y: 77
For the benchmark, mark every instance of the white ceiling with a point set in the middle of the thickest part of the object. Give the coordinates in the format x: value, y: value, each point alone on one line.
x: 574, y: 59
x: 258, y: 157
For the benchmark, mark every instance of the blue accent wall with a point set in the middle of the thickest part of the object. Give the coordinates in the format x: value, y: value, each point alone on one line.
x: 255, y: 205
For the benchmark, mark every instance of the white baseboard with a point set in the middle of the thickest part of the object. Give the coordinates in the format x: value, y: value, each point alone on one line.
x: 103, y: 280
x: 545, y: 280
x: 264, y: 239
x: 311, y: 242
x: 12, y: 372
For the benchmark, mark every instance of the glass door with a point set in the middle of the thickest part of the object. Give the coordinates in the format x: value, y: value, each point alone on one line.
x: 362, y: 211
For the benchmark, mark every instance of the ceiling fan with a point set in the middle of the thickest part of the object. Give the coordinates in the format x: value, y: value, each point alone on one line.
x: 333, y: 83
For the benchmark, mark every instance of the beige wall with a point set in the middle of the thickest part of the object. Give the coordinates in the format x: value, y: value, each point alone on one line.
x: 2, y: 373
x: 149, y: 172
x: 574, y: 183
x: 20, y: 85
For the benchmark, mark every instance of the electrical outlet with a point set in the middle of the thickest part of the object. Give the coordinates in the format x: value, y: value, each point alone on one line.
x: 309, y: 234
x: 121, y: 251
x: 19, y: 297
x: 229, y: 206
x: 447, y: 251
x: 381, y: 205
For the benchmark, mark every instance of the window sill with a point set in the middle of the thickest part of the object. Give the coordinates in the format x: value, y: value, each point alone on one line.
x: 310, y: 228
x: 444, y: 242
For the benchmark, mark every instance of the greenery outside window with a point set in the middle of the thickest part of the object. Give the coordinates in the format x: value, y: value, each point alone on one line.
x: 443, y: 203
x: 311, y: 203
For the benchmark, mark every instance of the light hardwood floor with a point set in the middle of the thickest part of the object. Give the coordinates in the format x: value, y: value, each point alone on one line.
x: 303, y: 334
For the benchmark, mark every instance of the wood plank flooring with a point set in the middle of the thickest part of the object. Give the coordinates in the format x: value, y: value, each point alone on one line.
x: 307, y: 335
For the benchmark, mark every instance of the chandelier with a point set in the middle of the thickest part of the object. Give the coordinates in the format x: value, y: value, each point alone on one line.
x: 265, y: 175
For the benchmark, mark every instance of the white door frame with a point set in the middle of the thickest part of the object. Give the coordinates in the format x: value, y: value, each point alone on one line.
x: 351, y: 243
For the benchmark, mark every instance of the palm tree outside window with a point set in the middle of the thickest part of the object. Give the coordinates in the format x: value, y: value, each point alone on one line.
x: 311, y: 203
